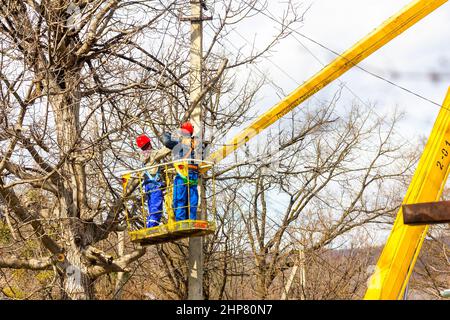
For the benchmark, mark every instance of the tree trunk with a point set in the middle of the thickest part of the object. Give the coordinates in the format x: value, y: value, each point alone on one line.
x: 261, y: 287
x: 122, y: 277
x: 77, y: 283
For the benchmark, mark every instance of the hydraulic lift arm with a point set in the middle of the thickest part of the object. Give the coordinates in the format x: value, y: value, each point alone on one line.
x: 400, y: 253
x: 387, y: 31
x: 397, y: 259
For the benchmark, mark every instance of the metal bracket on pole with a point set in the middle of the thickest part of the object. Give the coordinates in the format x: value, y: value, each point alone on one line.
x: 195, y: 19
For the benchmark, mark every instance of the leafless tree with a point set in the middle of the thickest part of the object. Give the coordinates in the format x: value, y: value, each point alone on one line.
x: 313, y: 186
x: 79, y: 79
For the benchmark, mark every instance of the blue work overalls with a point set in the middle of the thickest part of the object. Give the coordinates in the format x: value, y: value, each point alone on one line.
x: 153, y: 188
x: 185, y: 189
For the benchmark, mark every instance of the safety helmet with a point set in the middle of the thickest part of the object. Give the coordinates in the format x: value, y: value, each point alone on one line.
x: 188, y: 127
x: 143, y: 142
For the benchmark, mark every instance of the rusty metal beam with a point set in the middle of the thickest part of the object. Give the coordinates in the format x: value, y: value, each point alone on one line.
x: 426, y: 213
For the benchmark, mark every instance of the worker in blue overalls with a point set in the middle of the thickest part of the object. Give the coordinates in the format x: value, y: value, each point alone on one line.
x: 153, y: 186
x: 185, y: 192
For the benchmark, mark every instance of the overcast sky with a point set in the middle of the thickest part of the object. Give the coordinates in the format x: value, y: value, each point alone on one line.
x: 423, y: 48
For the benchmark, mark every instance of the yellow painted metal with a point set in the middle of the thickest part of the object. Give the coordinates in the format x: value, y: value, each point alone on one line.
x: 171, y: 232
x: 125, y: 180
x: 141, y: 190
x: 399, y: 255
x: 387, y: 31
x: 397, y: 260
x: 168, y: 197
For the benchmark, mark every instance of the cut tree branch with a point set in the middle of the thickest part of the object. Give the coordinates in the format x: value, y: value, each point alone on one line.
x: 30, y: 264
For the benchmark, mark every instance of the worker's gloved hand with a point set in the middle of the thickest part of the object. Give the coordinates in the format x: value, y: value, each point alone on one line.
x: 205, y: 149
x: 166, y: 135
x: 167, y: 140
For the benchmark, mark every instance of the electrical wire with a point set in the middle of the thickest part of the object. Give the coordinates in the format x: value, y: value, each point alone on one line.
x: 355, y: 65
x: 271, y: 17
x: 279, y: 90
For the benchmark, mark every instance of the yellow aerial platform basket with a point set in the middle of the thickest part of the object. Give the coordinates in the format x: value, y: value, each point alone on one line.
x: 137, y: 206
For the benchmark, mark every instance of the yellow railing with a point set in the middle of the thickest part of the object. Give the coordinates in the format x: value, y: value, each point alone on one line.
x: 170, y: 227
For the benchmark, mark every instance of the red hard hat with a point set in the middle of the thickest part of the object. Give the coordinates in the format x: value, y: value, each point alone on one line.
x: 188, y: 127
x: 143, y: 142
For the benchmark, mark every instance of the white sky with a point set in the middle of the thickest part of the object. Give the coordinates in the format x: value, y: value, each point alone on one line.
x: 338, y: 25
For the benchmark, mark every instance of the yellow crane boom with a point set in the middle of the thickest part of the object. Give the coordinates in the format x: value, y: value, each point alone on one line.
x: 387, y: 31
x: 400, y: 253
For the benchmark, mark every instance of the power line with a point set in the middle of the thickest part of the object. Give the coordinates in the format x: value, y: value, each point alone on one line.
x: 297, y: 83
x: 279, y: 90
x: 434, y: 76
x: 356, y: 65
x: 352, y: 92
x: 271, y: 17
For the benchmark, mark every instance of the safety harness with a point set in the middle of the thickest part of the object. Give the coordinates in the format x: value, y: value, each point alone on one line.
x: 183, y: 167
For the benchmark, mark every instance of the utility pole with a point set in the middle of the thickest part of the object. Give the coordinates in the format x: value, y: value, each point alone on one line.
x: 300, y: 263
x: 302, y: 275
x: 195, y: 281
x: 288, y: 285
